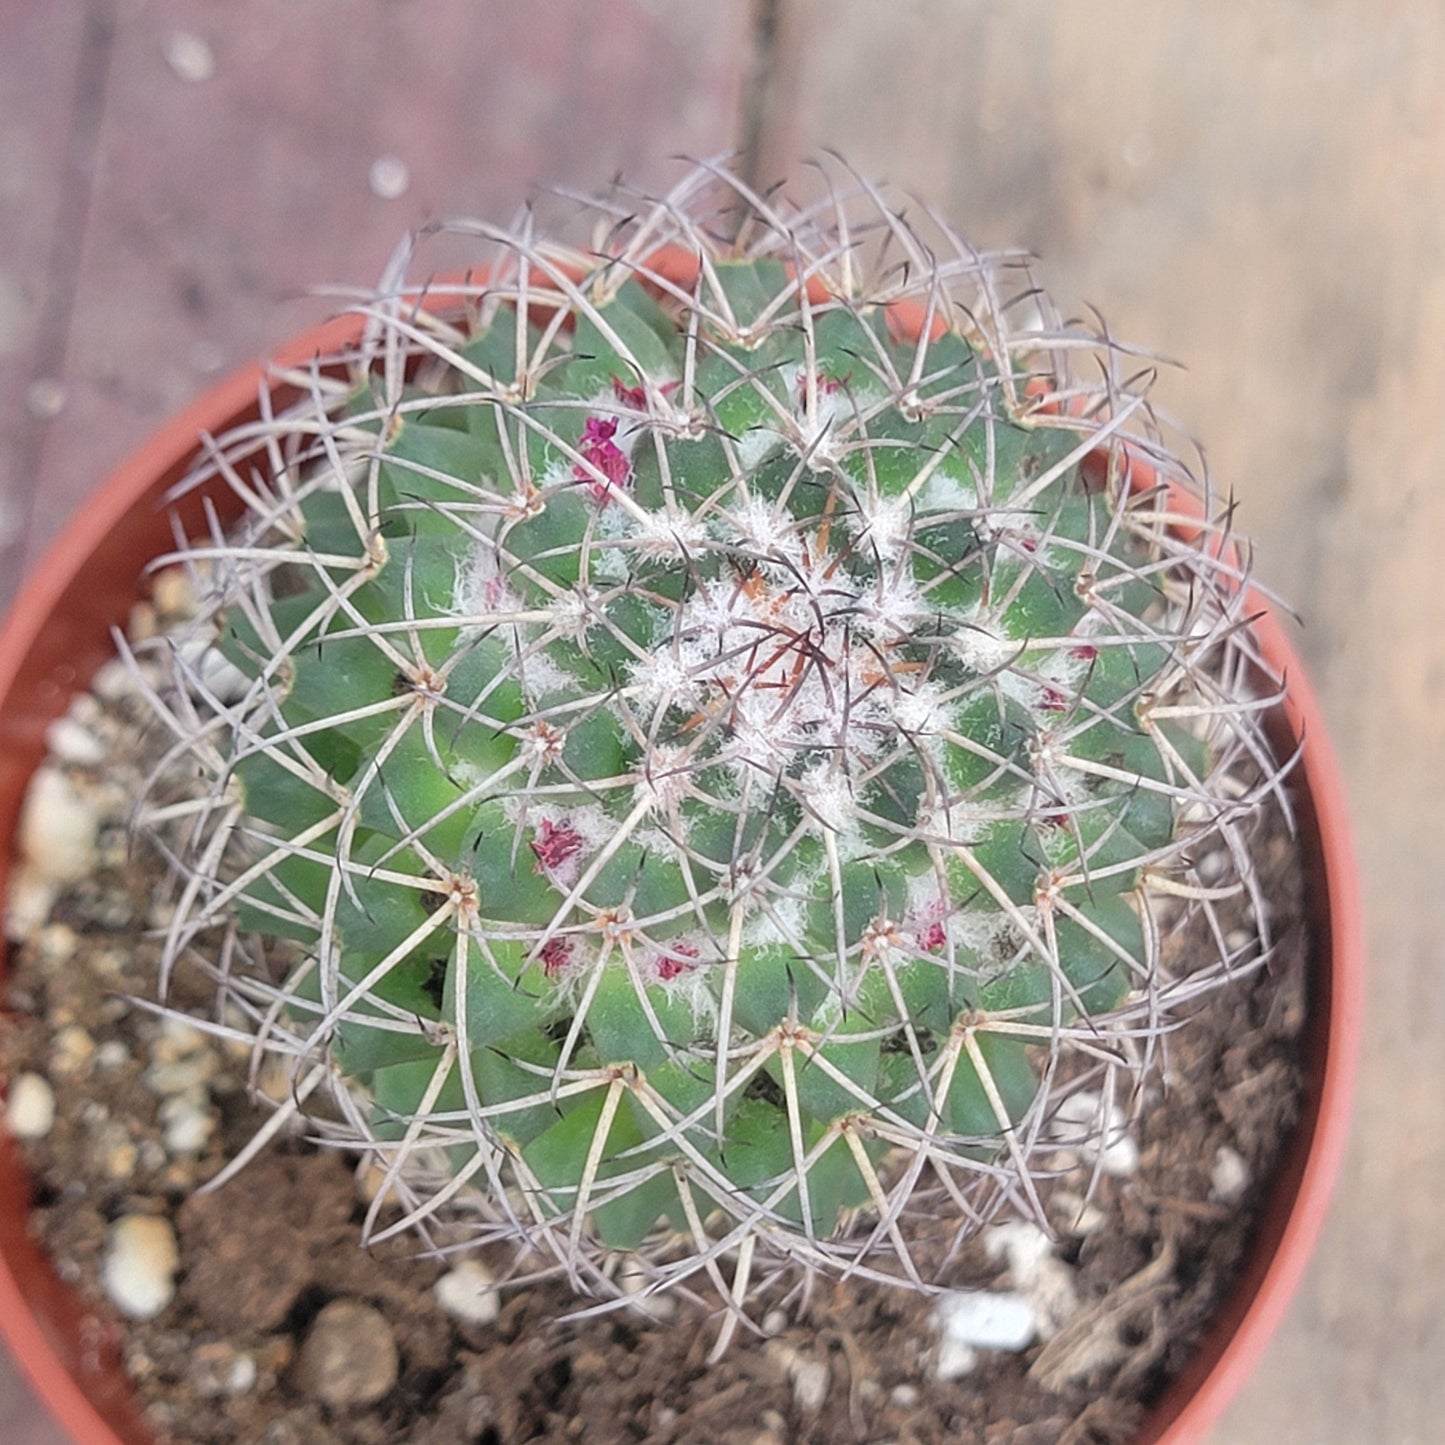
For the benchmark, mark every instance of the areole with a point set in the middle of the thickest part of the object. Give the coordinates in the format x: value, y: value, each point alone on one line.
x: 59, y: 633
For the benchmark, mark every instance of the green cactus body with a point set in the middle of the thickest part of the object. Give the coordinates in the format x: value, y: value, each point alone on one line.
x: 704, y: 748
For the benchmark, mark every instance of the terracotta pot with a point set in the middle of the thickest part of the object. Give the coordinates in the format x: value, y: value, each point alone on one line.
x: 59, y: 633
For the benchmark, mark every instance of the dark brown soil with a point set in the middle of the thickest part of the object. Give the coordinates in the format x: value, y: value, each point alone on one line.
x: 262, y: 1256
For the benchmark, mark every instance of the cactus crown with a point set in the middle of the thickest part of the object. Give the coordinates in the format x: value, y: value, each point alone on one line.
x: 708, y: 739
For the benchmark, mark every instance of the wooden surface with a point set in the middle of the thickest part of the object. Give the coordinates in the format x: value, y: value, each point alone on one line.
x: 1257, y: 189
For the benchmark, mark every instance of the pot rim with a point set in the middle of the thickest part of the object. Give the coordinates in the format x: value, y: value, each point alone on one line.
x: 86, y: 582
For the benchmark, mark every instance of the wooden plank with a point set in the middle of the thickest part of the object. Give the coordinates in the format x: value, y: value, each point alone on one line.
x: 159, y: 229
x: 1256, y: 189
x: 52, y: 63
x: 220, y: 199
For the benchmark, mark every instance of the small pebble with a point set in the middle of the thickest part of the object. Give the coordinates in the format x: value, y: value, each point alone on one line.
x: 57, y: 943
x: 811, y: 1379
x: 57, y: 827
x: 172, y: 593
x: 29, y: 899
x: 140, y: 1265
x: 634, y: 1281
x: 953, y: 1359
x: 190, y: 57
x: 30, y: 1107
x: 177, y: 1039
x: 1120, y: 1156
x: 183, y: 1075
x: 1228, y: 1175
x: 370, y: 1175
x: 766, y: 1433
x: 242, y: 1377
x: 142, y: 624
x: 986, y: 1319
x: 348, y: 1357
x: 213, y: 670
x: 774, y: 1322
x: 905, y: 1396
x: 1104, y: 1140
x: 119, y: 1156
x: 112, y: 1054
x: 71, y: 1050
x: 114, y: 681
x: 1037, y: 1272
x: 389, y: 177
x: 71, y: 742
x: 1076, y: 1214
x: 189, y: 1124
x: 468, y: 1292
x: 218, y: 1369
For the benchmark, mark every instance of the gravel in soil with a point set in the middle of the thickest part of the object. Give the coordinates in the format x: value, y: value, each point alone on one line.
x: 272, y: 1324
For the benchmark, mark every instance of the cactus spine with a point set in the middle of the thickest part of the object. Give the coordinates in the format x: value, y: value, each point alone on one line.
x: 708, y: 741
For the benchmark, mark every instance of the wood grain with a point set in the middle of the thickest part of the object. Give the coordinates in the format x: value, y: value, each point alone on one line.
x: 155, y: 232
x: 200, y: 214
x: 1257, y: 190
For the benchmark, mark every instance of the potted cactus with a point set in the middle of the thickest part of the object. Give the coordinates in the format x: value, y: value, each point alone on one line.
x: 691, y: 748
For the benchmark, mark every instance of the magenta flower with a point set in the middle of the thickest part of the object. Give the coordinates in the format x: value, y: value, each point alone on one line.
x: 600, y: 451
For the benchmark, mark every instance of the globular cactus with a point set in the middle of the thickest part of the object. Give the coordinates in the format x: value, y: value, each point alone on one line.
x: 711, y: 733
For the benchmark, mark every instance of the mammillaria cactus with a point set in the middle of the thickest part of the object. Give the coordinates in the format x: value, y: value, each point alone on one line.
x: 701, y: 738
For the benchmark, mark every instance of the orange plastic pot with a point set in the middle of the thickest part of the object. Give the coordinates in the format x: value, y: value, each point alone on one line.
x: 59, y: 633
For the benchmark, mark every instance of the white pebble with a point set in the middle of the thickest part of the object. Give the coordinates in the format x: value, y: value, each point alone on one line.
x: 57, y: 943
x: 119, y: 1157
x: 140, y: 1265
x: 192, y: 1072
x: 389, y: 177
x: 213, y: 670
x: 1228, y: 1176
x: 114, y: 681
x: 635, y: 1282
x: 173, y: 594
x: 72, y: 742
x: 467, y: 1292
x: 1100, y: 1136
x: 1120, y: 1157
x: 190, y: 57
x: 1077, y: 1215
x: 176, y: 1039
x: 29, y: 901
x: 57, y: 827
x: 71, y: 1050
x: 30, y: 1107
x: 1212, y: 866
x: 111, y: 1054
x: 1022, y: 1244
x: 242, y: 1376
x: 810, y: 1384
x: 188, y: 1122
x: 954, y: 1359
x: 810, y: 1376
x: 1037, y: 1272
x: 774, y: 1322
x: 986, y: 1319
